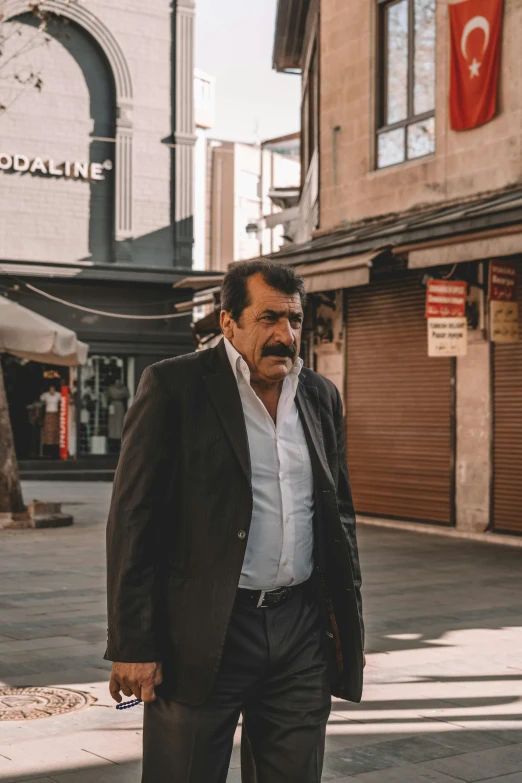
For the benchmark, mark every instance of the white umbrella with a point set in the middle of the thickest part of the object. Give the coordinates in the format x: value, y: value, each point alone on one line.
x: 29, y: 335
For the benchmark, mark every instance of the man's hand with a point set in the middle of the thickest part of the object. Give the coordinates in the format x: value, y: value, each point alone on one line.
x: 135, y: 678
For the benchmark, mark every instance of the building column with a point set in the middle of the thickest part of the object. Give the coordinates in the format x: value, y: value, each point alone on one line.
x: 123, y: 184
x: 183, y: 132
x: 474, y: 437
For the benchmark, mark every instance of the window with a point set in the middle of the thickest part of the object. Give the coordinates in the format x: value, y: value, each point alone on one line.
x: 406, y: 115
x: 103, y: 400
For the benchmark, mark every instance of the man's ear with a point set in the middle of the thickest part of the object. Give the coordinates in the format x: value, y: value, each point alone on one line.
x: 227, y: 324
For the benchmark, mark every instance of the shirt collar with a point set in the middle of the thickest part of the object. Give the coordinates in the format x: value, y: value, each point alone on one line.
x: 240, y: 367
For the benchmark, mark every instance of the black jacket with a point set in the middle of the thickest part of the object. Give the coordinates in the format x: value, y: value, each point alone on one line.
x: 182, y: 495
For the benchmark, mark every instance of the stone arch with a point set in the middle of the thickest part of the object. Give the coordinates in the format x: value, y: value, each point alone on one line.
x: 124, y: 98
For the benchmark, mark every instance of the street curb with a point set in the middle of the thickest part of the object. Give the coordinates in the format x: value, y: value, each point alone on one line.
x: 437, y: 530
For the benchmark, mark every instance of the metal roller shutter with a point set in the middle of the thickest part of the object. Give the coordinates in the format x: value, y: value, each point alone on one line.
x: 400, y: 407
x: 507, y: 431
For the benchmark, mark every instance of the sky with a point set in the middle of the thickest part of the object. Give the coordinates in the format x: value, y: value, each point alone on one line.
x: 234, y: 40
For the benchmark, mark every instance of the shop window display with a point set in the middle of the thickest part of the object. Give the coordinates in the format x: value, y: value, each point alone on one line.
x: 51, y: 422
x: 104, y: 398
x: 34, y: 398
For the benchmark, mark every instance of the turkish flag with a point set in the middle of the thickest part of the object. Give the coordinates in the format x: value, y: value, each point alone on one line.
x: 476, y: 27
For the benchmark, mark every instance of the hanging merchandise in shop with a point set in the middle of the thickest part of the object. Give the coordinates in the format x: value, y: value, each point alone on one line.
x: 446, y: 315
x: 503, y: 307
x: 64, y: 423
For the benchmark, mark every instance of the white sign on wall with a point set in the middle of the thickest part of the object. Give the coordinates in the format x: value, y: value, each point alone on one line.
x: 71, y: 169
x: 447, y: 336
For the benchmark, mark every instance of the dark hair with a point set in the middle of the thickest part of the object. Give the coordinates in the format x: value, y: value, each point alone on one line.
x: 234, y: 290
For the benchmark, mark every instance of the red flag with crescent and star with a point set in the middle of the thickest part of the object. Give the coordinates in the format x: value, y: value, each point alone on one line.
x: 476, y: 27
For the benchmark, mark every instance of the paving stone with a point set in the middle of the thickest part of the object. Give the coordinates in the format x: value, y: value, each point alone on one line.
x: 113, y: 773
x: 482, y: 765
x: 410, y: 773
x: 46, y: 643
x: 35, y: 780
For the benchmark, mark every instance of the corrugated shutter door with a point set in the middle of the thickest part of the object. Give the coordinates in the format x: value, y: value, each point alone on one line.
x: 507, y: 431
x: 399, y: 407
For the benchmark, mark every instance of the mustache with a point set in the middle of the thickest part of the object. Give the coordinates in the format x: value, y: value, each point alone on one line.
x: 286, y: 351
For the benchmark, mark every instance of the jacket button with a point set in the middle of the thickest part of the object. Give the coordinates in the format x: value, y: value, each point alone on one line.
x: 241, y: 534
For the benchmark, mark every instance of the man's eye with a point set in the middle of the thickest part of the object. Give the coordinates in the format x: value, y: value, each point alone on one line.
x: 270, y: 318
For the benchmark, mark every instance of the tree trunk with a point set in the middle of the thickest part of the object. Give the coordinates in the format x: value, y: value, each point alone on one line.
x: 11, y: 499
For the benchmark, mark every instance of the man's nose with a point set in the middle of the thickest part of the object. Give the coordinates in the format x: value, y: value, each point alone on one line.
x: 284, y: 332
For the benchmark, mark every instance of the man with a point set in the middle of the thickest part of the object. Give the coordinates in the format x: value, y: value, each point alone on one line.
x: 233, y: 574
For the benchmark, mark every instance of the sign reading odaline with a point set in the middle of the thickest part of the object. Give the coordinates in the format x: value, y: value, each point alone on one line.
x: 71, y: 169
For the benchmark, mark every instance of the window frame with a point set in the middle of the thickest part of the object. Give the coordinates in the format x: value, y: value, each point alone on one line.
x: 382, y: 82
x: 310, y: 112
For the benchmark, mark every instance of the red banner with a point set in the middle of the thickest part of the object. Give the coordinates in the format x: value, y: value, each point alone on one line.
x: 64, y: 423
x: 502, y: 282
x: 476, y: 27
x: 446, y: 299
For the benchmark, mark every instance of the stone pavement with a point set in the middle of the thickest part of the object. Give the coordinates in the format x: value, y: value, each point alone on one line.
x: 443, y: 696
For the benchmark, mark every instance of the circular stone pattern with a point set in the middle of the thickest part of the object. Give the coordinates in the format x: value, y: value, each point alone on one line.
x: 32, y: 703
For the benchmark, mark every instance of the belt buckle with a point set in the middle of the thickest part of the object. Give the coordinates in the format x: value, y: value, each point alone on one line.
x: 278, y: 597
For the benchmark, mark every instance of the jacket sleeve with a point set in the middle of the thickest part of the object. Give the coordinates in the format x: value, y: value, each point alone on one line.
x: 345, y: 505
x: 136, y: 525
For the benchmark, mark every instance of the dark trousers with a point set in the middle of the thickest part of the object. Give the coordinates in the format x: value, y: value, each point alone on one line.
x: 274, y: 671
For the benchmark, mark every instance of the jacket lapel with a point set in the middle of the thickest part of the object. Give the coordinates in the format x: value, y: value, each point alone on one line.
x: 224, y: 393
x: 307, y: 400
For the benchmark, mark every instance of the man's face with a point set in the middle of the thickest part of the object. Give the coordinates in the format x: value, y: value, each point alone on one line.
x: 268, y: 335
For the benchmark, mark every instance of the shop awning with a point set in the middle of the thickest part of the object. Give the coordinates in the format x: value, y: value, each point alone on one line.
x: 473, y: 250
x: 202, y: 282
x: 29, y: 335
x: 338, y: 273
x: 429, y: 235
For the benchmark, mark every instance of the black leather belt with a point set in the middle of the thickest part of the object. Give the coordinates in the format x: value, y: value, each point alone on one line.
x: 270, y: 599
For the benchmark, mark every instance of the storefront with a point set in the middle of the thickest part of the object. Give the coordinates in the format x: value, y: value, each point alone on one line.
x: 95, y: 396
x: 98, y: 393
x: 433, y: 415
x: 399, y: 406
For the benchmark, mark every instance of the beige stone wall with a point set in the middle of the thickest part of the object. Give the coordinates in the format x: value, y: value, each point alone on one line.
x: 473, y: 416
x: 465, y: 163
x: 221, y: 223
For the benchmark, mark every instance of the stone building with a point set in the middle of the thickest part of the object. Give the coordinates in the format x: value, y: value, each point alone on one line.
x: 96, y: 198
x: 391, y: 198
x: 249, y: 186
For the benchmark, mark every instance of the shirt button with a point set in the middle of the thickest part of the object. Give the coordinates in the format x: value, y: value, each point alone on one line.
x: 285, y: 561
x: 288, y: 519
x: 241, y: 534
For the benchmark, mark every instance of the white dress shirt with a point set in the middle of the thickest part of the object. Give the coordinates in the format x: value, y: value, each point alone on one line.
x: 279, y: 550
